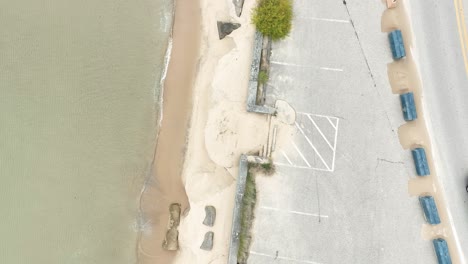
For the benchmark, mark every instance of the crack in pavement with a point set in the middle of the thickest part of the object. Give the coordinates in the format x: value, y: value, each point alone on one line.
x: 360, y: 44
x: 366, y: 60
x: 388, y: 161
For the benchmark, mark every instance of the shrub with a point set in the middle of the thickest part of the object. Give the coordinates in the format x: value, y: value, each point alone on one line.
x: 268, y: 168
x: 262, y: 77
x: 273, y: 18
x: 247, y: 217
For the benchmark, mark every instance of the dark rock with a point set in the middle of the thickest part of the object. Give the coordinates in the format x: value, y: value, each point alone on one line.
x: 174, y: 210
x: 226, y: 28
x: 208, y: 241
x: 171, y: 241
x: 210, y: 215
x: 238, y: 4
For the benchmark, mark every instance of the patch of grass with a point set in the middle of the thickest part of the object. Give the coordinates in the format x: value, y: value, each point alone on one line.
x: 267, y: 166
x: 263, y: 77
x: 263, y: 168
x: 247, y: 216
x: 273, y: 18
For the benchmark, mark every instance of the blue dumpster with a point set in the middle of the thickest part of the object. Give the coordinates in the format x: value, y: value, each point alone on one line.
x: 430, y: 209
x: 420, y: 161
x: 442, y: 251
x: 396, y: 44
x: 408, y: 106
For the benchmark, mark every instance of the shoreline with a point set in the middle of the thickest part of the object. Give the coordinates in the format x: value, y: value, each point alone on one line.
x: 164, y: 185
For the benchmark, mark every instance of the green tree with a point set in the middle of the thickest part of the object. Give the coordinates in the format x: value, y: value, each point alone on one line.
x: 273, y: 18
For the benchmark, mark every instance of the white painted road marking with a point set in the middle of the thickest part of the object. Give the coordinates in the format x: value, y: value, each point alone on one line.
x: 312, y: 145
x: 299, y: 167
x: 306, y: 66
x: 326, y: 19
x: 296, y: 155
x: 287, y: 158
x: 300, y: 153
x: 331, y: 123
x: 293, y: 212
x: 283, y: 258
x: 331, y: 69
x: 334, y: 146
x: 320, y: 131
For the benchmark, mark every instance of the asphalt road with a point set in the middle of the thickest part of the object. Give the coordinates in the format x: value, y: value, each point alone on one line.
x: 445, y: 95
x: 340, y: 194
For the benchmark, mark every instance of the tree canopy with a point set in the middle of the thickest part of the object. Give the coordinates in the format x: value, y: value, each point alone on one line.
x: 273, y: 18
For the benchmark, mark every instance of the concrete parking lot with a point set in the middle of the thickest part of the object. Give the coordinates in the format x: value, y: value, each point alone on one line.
x: 340, y: 192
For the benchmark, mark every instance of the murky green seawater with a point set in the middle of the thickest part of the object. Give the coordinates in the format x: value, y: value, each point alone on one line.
x: 78, y: 88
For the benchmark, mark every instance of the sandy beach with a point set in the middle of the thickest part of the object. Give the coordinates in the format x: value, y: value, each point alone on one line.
x: 220, y: 130
x: 164, y: 185
x: 211, y: 130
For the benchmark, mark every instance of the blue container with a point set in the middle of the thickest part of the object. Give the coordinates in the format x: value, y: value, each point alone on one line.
x: 442, y: 251
x: 430, y: 209
x: 420, y: 161
x: 408, y: 106
x: 396, y: 44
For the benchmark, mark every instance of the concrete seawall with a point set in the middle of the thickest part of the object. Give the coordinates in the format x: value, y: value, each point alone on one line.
x: 253, y: 81
x: 236, y: 216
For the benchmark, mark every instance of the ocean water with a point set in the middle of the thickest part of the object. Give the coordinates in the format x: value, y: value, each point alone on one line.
x: 79, y: 93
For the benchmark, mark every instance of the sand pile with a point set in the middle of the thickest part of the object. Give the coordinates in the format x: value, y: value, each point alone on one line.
x: 220, y: 131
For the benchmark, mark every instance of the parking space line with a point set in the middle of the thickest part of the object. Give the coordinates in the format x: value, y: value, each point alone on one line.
x: 290, y: 64
x: 286, y: 156
x: 331, y: 69
x: 326, y: 19
x: 304, y: 113
x: 306, y: 66
x: 293, y: 212
x: 331, y: 123
x: 283, y: 258
x: 299, y: 167
x: 320, y: 131
x: 300, y: 153
x: 334, y: 146
x: 312, y: 145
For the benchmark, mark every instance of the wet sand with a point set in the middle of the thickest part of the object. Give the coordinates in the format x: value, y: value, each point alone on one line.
x: 164, y: 186
x: 404, y: 76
